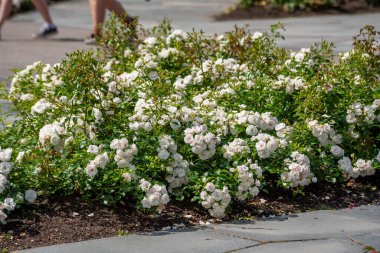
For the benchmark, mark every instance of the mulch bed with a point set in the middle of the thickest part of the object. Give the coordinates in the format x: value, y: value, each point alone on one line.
x: 265, y: 12
x: 67, y: 219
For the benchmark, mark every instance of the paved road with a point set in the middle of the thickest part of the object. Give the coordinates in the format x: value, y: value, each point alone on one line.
x: 343, y: 231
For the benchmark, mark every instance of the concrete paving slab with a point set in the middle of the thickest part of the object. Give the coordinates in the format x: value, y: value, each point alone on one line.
x: 324, y: 224
x: 330, y: 245
x: 183, y: 240
x: 367, y: 213
x: 372, y: 240
x: 18, y: 48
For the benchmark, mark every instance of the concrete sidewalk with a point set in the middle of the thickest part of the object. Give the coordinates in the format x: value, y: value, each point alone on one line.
x: 322, y: 231
x: 343, y: 231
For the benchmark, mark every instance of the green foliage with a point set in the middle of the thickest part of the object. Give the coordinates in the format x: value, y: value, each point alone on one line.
x: 245, y: 4
x: 187, y: 116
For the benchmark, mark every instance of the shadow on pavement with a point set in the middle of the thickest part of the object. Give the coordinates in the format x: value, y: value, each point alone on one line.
x: 66, y: 39
x: 173, y: 231
x: 32, y: 40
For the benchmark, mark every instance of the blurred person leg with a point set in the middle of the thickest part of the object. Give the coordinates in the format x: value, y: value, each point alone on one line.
x: 5, y: 11
x: 98, y: 9
x: 98, y: 12
x: 42, y: 8
x: 48, y: 28
x: 115, y: 7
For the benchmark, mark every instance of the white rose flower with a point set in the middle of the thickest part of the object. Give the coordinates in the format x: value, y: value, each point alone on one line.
x: 261, y: 146
x: 203, y: 195
x: 26, y: 97
x: 210, y: 187
x: 47, y: 131
x: 30, y: 196
x: 181, y: 173
x: 251, y: 130
x: 360, y: 163
x: 257, y: 35
x: 153, y: 75
x: 150, y: 41
x: 91, y: 170
x: 41, y: 106
x: 272, y: 145
x: 119, y: 143
x: 148, y: 127
x: 164, y: 53
x: 351, y: 118
x: 154, y: 199
x: 337, y: 139
x: 170, y: 179
x: 101, y: 160
x: 206, y: 204
x: 9, y: 204
x: 122, y: 163
x: 97, y: 114
x: 254, y: 191
x: 127, y: 177
x: 165, y: 199
x: 138, y: 63
x: 144, y: 185
x: 63, y: 99
x: 217, y: 195
x: 5, y: 155
x: 298, y: 57
x: 337, y: 151
x: 280, y: 127
x: 152, y: 65
x: 157, y: 188
x: 5, y: 168
x: 163, y: 154
x: 93, y: 149
x: 145, y: 203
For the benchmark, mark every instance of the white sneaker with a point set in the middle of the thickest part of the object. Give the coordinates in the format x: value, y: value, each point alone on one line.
x: 46, y: 30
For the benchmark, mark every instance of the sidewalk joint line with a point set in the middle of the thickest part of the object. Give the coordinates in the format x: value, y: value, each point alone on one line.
x: 274, y: 242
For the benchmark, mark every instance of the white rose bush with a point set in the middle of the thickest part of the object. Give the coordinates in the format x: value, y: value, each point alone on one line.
x: 191, y: 117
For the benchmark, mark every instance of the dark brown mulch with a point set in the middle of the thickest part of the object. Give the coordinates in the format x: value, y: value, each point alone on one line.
x: 67, y: 219
x: 264, y: 12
